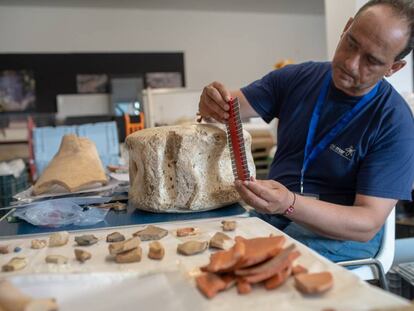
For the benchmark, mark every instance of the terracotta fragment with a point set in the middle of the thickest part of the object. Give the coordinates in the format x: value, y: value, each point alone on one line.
x: 12, y: 299
x: 229, y: 225
x: 156, y: 250
x: 86, y: 240
x: 115, y: 237
x: 269, y: 268
x: 229, y: 279
x: 278, y: 279
x: 181, y: 232
x: 192, y: 247
x: 5, y: 249
x: 151, y: 233
x: 56, y: 259
x: 210, y: 284
x: 260, y: 249
x: 38, y: 244
x: 243, y: 287
x: 58, y: 239
x: 298, y: 269
x: 221, y: 240
x: 75, y: 166
x: 15, y: 264
x: 314, y: 283
x: 133, y: 255
x: 120, y: 247
x: 82, y: 255
x: 224, y: 261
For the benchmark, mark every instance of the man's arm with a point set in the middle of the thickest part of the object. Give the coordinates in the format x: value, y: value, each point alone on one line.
x: 214, y: 103
x: 359, y: 222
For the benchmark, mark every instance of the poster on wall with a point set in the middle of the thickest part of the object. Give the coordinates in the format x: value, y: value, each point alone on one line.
x: 163, y: 79
x: 92, y: 83
x: 17, y: 90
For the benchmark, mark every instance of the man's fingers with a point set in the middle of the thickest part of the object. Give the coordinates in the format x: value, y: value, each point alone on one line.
x: 206, y: 108
x: 250, y: 197
x: 224, y: 92
x: 262, y: 190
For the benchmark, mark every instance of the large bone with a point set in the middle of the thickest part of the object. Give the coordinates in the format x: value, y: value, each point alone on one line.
x: 182, y: 168
x: 75, y: 165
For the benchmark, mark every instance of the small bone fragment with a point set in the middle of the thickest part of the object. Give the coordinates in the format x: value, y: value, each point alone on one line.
x: 12, y: 299
x: 115, y: 237
x: 5, y: 249
x: 16, y: 263
x: 86, y: 239
x: 181, y: 232
x: 156, y: 250
x: 133, y: 255
x: 210, y: 284
x: 151, y: 233
x: 229, y: 225
x: 192, y: 247
x: 120, y: 247
x: 313, y: 283
x: 56, y: 259
x: 82, y: 255
x: 298, y: 269
x: 58, y: 239
x: 116, y: 206
x: 38, y: 244
x: 221, y: 240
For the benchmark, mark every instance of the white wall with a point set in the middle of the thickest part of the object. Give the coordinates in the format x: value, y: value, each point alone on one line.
x: 234, y: 48
x: 337, y: 13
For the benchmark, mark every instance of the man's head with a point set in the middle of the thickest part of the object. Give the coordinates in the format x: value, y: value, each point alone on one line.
x: 373, y: 45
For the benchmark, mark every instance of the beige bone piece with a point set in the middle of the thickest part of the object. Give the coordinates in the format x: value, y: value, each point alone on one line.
x: 192, y: 247
x: 76, y: 165
x: 115, y: 237
x: 120, y: 247
x: 182, y: 168
x: 229, y: 225
x: 186, y: 231
x: 82, y: 255
x: 151, y: 233
x: 38, y: 244
x: 58, y: 239
x: 156, y: 250
x: 16, y: 263
x: 12, y: 299
x: 5, y: 249
x: 221, y: 240
x: 133, y: 255
x: 56, y: 259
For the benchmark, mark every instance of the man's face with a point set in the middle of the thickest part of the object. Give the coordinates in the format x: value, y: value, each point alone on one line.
x: 367, y: 50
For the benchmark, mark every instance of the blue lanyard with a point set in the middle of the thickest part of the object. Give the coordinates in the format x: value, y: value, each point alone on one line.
x: 311, y: 152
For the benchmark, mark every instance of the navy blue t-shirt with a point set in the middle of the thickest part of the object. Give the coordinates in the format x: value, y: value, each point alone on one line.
x: 373, y: 155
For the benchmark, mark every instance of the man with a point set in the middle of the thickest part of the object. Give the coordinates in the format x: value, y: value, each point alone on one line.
x: 345, y: 136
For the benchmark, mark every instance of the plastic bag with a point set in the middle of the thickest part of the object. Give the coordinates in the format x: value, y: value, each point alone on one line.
x: 60, y: 213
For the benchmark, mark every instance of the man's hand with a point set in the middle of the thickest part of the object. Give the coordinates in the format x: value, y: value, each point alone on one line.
x: 214, y: 102
x: 266, y: 196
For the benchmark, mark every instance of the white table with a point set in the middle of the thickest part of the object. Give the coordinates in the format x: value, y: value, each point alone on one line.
x: 101, y: 284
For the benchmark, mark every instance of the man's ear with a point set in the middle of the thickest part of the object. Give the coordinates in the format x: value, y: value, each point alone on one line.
x: 396, y: 66
x: 348, y: 24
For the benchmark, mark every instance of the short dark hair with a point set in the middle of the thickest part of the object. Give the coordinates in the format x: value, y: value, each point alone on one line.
x: 404, y: 9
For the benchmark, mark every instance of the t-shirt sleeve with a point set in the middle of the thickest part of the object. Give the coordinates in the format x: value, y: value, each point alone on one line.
x: 388, y: 169
x: 267, y: 94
